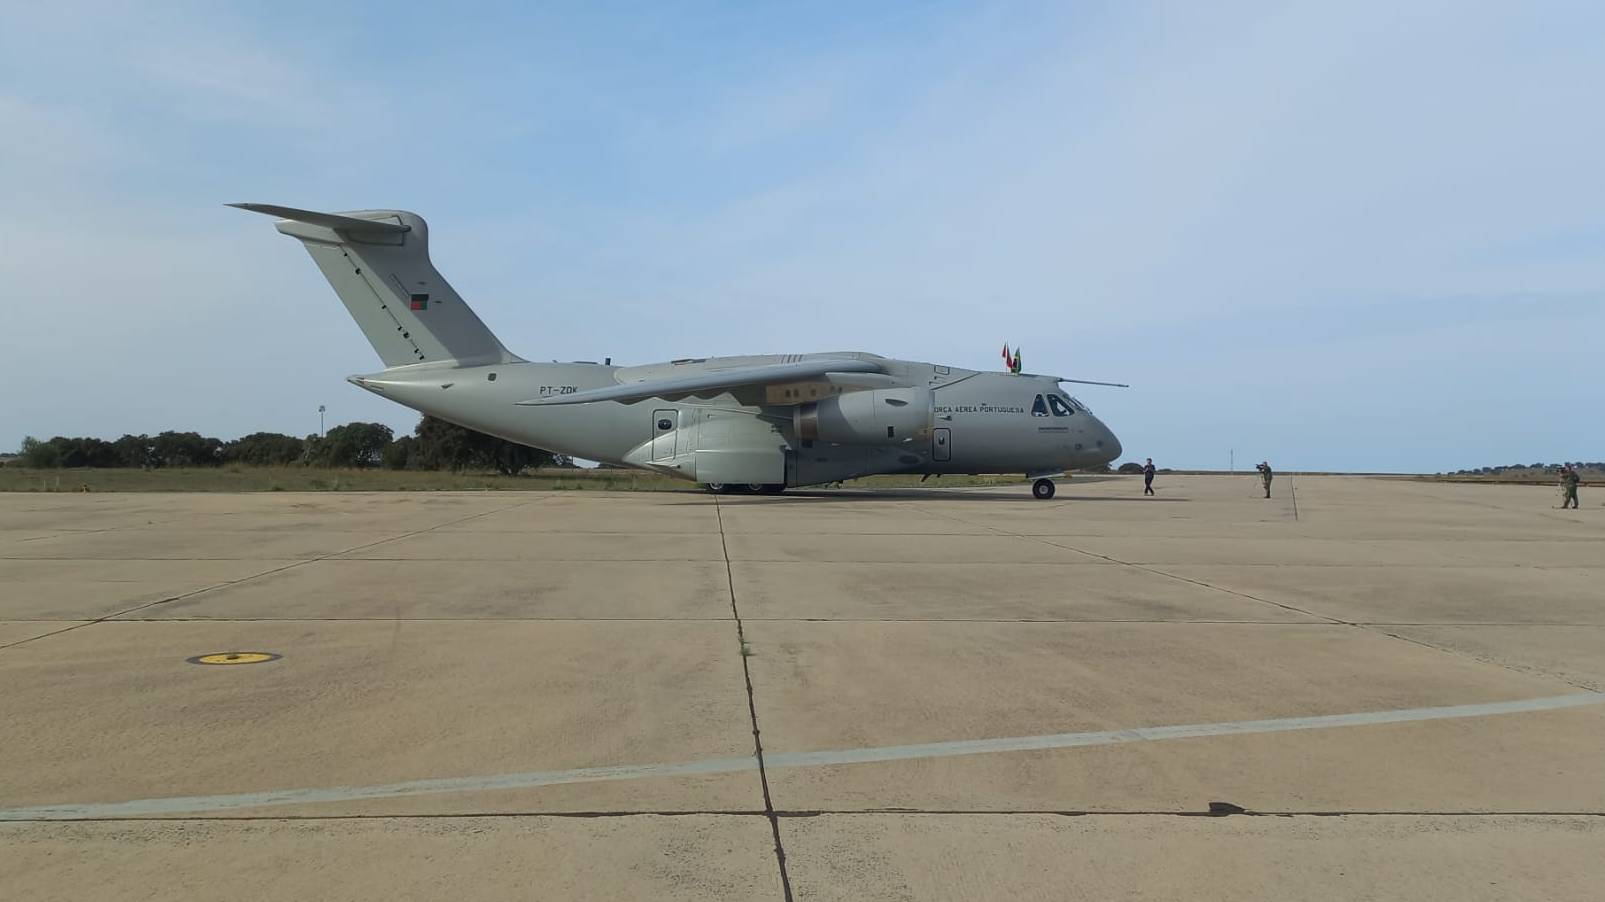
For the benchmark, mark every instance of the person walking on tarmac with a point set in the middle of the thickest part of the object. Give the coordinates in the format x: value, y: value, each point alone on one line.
x: 1148, y: 477
x: 1264, y: 469
x: 1568, y: 486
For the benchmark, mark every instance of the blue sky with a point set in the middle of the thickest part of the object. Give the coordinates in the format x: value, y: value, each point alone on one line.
x: 1341, y: 236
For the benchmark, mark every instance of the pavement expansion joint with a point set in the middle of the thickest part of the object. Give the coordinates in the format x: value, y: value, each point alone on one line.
x: 752, y: 708
x: 1147, y: 812
x: 1481, y: 659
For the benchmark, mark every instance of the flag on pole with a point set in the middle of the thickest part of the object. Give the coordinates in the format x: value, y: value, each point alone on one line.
x: 1011, y: 363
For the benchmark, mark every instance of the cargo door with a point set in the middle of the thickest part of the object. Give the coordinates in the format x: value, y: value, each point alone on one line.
x: 664, y: 423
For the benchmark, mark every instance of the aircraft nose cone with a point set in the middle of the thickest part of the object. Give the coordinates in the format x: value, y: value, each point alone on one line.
x: 1107, y: 445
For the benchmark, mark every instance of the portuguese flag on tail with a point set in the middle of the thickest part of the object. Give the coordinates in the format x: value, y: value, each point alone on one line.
x: 420, y: 302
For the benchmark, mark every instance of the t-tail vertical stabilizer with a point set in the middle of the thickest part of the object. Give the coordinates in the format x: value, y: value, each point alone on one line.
x: 378, y: 263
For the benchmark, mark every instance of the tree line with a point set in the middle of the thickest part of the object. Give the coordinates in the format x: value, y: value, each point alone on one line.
x: 434, y: 445
x: 1516, y: 468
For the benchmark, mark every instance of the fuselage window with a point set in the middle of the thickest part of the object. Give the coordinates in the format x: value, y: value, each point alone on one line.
x: 1060, y: 408
x: 1039, y: 407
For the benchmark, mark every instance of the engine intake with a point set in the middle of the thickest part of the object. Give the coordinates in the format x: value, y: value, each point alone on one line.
x: 866, y: 417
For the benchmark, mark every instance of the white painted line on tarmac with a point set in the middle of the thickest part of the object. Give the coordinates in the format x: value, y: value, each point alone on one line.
x: 212, y: 804
x: 1184, y: 731
x: 238, y: 801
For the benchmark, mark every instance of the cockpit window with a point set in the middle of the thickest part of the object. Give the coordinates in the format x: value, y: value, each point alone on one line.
x: 1039, y: 407
x: 1061, y: 407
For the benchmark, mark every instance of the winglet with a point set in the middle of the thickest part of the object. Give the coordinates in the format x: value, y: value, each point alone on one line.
x: 327, y: 220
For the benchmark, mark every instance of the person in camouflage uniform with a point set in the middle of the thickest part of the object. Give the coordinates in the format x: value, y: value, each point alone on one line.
x: 1264, y: 469
x: 1568, y: 486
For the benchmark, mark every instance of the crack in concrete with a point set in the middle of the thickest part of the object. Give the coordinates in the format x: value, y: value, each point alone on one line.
x: 752, y: 709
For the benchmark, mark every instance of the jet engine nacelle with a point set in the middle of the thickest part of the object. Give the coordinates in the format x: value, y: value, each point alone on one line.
x: 866, y: 417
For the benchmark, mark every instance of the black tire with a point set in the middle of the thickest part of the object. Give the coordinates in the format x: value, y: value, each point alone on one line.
x: 755, y: 488
x: 717, y: 488
x: 1042, y: 489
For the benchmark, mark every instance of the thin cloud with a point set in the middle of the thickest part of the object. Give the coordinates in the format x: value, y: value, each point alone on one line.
x: 1199, y: 200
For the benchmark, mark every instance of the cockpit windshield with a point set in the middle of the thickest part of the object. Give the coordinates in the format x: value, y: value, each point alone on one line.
x: 1061, y: 405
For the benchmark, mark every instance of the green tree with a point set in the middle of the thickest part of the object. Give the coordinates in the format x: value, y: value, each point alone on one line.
x: 264, y: 449
x: 351, y: 445
x: 448, y: 446
x: 136, y: 451
x: 186, y: 449
x: 86, y: 452
x: 441, y: 445
x: 40, y: 455
x: 398, y: 455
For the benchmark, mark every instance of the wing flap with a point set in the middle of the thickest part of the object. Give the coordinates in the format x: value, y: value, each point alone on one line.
x: 709, y: 382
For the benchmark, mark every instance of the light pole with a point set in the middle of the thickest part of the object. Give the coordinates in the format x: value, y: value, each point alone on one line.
x: 320, y: 421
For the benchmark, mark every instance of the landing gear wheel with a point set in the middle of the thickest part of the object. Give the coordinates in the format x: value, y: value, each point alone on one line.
x: 755, y: 488
x: 1042, y: 489
x: 717, y: 488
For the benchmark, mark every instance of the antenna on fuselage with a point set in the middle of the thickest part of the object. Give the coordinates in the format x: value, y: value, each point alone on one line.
x: 1090, y: 382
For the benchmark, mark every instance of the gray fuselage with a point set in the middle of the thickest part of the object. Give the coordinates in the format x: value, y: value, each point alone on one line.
x: 961, y: 421
x: 769, y: 421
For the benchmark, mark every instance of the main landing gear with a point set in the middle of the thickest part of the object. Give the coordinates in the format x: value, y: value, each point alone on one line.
x: 1042, y: 489
x: 742, y: 488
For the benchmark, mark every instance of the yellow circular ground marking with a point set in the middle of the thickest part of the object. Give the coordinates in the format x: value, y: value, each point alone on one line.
x: 235, y: 657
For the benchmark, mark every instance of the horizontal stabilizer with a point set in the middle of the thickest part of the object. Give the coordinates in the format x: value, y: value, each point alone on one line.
x: 377, y: 262
x: 327, y: 220
x: 716, y: 380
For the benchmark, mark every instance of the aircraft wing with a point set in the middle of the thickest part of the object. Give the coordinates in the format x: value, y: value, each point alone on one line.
x: 711, y: 381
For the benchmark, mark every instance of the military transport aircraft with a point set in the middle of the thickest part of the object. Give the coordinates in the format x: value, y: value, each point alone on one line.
x: 759, y: 423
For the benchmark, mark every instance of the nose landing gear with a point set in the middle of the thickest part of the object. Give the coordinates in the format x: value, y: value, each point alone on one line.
x: 1042, y: 489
